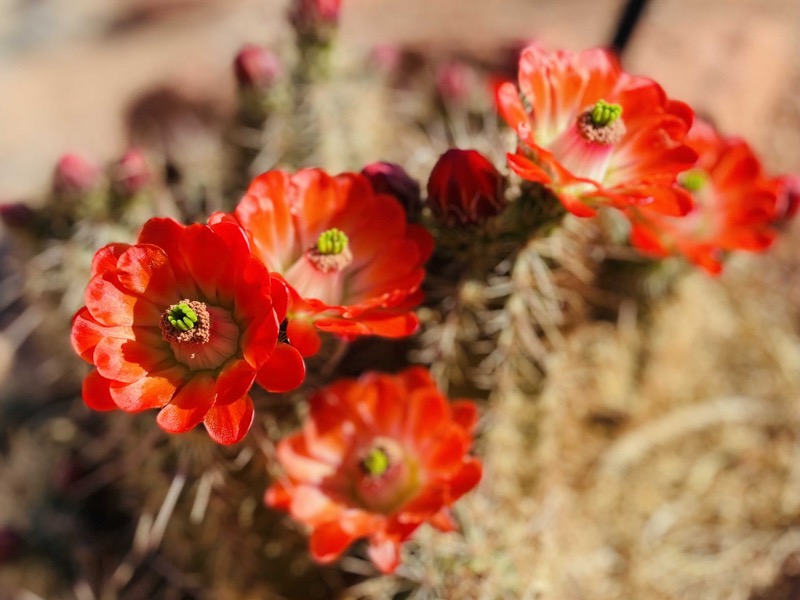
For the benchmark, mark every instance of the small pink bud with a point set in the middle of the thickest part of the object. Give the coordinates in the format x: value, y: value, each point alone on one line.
x: 75, y: 175
x: 453, y: 80
x: 308, y: 15
x: 464, y: 187
x: 387, y: 57
x: 16, y: 215
x: 257, y: 67
x: 131, y: 174
x: 389, y: 178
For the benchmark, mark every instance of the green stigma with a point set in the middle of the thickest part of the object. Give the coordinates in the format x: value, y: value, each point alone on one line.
x: 604, y: 113
x: 694, y: 180
x: 182, y: 317
x: 376, y: 462
x: 332, y: 242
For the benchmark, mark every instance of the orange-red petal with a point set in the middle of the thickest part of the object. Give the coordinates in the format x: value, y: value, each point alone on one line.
x: 229, y: 424
x: 189, y: 406
x: 284, y: 371
x: 95, y: 392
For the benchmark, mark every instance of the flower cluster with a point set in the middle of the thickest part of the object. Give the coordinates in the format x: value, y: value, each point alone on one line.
x: 597, y: 136
x: 190, y: 317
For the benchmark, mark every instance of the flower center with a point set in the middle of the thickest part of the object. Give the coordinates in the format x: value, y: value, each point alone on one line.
x: 186, y: 322
x: 331, y: 254
x: 694, y: 180
x: 602, y: 123
x: 386, y: 476
x: 376, y: 462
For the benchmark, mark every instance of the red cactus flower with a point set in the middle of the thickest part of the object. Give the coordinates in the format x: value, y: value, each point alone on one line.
x: 596, y: 135
x: 377, y: 458
x: 464, y: 187
x: 734, y: 205
x: 184, y: 321
x: 353, y: 264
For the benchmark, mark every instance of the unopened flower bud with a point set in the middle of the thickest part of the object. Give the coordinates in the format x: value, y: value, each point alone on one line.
x: 10, y: 544
x: 75, y: 175
x: 307, y: 15
x: 464, y: 187
x: 131, y: 174
x: 788, y: 198
x: 16, y: 215
x: 387, y: 57
x: 389, y: 178
x: 257, y: 67
x: 453, y: 81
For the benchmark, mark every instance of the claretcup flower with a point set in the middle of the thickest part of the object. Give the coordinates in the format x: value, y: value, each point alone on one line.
x: 465, y: 188
x: 184, y: 321
x: 377, y: 458
x: 734, y: 205
x: 352, y: 262
x: 596, y: 135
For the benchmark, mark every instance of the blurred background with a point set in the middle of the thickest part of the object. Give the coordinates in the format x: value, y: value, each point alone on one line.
x: 658, y: 459
x: 70, y: 72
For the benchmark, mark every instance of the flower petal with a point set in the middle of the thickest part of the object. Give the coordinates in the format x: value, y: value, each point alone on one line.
x: 105, y: 259
x: 166, y: 233
x: 328, y: 541
x: 87, y: 333
x: 284, y: 371
x: 145, y: 270
x: 153, y: 391
x: 95, y: 392
x: 111, y: 304
x: 228, y: 424
x: 189, y: 406
x: 207, y: 258
x: 303, y: 336
x: 234, y: 381
x: 384, y: 551
x: 127, y: 360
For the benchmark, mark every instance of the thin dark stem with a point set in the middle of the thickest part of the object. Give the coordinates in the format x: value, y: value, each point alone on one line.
x: 626, y: 25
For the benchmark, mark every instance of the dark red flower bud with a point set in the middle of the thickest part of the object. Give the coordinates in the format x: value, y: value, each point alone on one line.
x: 464, y: 187
x: 10, y: 544
x: 389, y: 178
x: 131, y: 174
x: 75, y: 175
x: 788, y: 198
x: 16, y: 215
x: 257, y: 67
